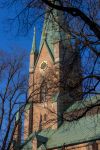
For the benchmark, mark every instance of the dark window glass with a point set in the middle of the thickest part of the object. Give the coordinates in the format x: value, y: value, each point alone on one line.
x: 40, y: 123
x: 31, y: 119
x: 43, y: 92
x: 45, y: 117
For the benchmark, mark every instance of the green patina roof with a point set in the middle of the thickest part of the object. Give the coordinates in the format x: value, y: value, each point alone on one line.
x: 47, y: 49
x: 52, y: 31
x: 17, y: 116
x: 27, y: 145
x: 52, y: 57
x: 69, y: 133
x: 27, y: 107
x: 84, y: 130
x: 34, y: 42
x: 83, y: 104
x: 55, y: 97
x: 42, y: 147
x: 47, y: 133
x: 28, y: 142
x: 42, y: 137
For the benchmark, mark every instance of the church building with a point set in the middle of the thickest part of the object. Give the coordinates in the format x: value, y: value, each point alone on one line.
x: 52, y: 117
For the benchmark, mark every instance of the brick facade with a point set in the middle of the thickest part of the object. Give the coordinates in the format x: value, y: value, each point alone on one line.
x: 54, y: 83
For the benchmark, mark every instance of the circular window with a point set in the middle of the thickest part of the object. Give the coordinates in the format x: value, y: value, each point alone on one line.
x: 43, y: 65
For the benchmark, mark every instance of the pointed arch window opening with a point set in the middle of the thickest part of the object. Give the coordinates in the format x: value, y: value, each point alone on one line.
x: 31, y: 118
x: 40, y: 123
x: 45, y: 117
x: 43, y: 92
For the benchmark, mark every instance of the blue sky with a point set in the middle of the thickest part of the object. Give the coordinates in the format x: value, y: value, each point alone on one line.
x: 9, y: 40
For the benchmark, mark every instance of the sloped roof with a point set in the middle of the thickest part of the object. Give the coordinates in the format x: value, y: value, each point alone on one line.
x: 55, y: 97
x: 33, y: 49
x: 42, y: 147
x: 83, y: 104
x: 75, y: 132
x: 69, y: 133
x: 27, y: 107
x: 27, y: 145
x: 53, y: 29
x: 47, y: 132
x: 48, y: 49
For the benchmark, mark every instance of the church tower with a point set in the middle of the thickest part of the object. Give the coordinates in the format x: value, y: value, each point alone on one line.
x: 54, y: 75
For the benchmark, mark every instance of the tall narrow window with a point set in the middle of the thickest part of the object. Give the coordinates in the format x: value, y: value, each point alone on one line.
x: 43, y: 92
x: 45, y: 117
x: 40, y: 123
x: 31, y: 119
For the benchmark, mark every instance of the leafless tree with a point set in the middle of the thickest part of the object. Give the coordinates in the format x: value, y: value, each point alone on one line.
x: 82, y: 20
x: 13, y: 93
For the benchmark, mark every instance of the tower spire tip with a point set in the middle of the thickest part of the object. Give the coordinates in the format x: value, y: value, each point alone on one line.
x: 34, y: 41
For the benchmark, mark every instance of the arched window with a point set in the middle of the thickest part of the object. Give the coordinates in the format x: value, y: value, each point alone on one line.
x: 45, y: 117
x: 43, y: 92
x: 31, y: 119
x: 40, y: 123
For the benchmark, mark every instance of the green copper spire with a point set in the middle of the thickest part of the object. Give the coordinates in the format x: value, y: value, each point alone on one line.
x: 34, y: 42
x: 53, y: 29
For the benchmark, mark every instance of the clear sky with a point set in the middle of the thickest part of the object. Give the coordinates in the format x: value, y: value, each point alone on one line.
x: 9, y: 40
